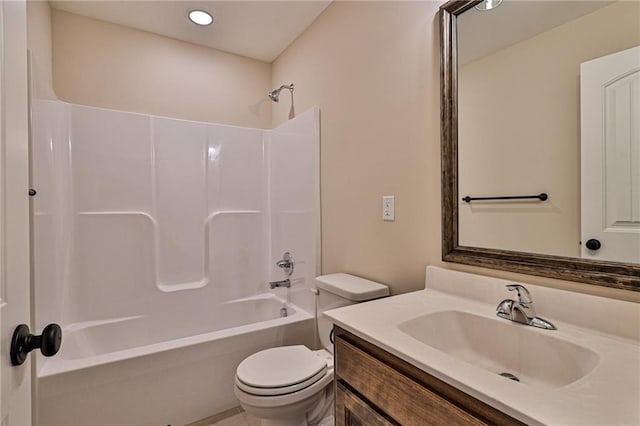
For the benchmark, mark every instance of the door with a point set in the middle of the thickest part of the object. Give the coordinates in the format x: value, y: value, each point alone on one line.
x: 15, y: 382
x: 610, y: 143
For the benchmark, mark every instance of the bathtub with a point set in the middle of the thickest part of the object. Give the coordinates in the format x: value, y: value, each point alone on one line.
x: 169, y: 369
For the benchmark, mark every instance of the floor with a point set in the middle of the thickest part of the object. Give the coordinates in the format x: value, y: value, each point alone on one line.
x: 240, y: 419
x: 244, y: 419
x: 233, y: 417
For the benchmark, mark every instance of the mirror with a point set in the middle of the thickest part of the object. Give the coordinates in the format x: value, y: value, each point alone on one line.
x: 541, y: 138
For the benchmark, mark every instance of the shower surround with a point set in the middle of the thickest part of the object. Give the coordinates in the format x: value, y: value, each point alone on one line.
x: 154, y: 242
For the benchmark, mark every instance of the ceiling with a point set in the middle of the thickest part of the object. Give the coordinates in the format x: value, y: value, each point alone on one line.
x: 481, y: 33
x: 256, y: 29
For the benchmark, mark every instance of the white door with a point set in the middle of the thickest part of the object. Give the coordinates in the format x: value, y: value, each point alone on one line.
x: 15, y: 389
x: 610, y: 128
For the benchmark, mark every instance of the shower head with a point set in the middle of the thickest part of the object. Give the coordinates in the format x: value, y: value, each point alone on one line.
x: 274, y: 95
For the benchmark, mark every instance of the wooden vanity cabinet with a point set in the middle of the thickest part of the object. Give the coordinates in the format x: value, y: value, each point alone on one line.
x: 376, y: 388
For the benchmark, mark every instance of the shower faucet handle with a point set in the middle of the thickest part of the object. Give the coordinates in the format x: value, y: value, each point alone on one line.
x: 286, y: 263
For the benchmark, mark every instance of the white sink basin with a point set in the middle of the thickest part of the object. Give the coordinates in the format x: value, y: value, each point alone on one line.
x: 535, y: 357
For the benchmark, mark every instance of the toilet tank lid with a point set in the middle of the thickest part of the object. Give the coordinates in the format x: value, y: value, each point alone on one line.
x: 351, y: 287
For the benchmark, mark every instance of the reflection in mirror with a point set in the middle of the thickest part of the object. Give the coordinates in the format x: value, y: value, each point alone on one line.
x: 523, y: 125
x: 549, y: 102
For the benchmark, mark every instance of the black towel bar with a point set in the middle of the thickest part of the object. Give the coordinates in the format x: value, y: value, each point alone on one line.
x: 541, y: 197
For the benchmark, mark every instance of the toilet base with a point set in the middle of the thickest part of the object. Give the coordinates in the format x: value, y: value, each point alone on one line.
x: 316, y: 410
x: 291, y: 415
x: 328, y: 421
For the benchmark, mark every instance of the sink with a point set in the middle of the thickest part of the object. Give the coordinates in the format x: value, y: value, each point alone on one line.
x: 516, y: 351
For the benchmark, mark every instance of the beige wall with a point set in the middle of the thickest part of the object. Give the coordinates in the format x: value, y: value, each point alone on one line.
x: 39, y: 43
x: 519, y: 132
x: 106, y: 65
x: 373, y: 69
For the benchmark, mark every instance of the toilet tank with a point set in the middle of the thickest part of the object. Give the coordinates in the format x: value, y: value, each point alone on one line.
x: 337, y: 290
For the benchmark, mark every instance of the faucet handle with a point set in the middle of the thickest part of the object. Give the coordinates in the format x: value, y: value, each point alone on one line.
x: 524, y: 297
x: 286, y: 263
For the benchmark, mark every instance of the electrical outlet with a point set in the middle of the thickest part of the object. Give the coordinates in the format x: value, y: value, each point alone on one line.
x: 388, y: 208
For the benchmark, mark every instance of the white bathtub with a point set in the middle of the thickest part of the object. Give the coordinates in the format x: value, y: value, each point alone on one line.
x: 170, y: 369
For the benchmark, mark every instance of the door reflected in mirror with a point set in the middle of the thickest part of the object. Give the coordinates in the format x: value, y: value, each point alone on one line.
x: 549, y: 102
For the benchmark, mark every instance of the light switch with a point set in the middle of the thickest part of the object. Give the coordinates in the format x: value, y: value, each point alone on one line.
x: 388, y: 208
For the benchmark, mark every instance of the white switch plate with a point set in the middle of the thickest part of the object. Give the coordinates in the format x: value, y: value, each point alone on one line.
x: 388, y: 208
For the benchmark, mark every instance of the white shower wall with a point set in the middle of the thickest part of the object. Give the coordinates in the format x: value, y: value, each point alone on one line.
x: 140, y: 215
x: 293, y: 150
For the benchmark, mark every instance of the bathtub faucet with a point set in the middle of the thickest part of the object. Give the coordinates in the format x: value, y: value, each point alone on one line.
x: 283, y: 283
x: 286, y: 263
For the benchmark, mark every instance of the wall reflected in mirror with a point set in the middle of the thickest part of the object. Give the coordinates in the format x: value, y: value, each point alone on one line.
x: 549, y: 102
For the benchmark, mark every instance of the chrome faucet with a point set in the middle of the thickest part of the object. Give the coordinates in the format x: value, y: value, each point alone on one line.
x: 283, y: 283
x: 521, y: 310
x: 286, y: 263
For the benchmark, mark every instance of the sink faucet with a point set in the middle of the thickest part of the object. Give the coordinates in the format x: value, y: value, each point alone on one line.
x: 283, y: 283
x: 521, y: 310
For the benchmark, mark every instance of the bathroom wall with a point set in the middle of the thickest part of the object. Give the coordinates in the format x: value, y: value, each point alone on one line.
x: 150, y: 213
x: 294, y: 204
x: 373, y: 69
x: 39, y: 43
x: 537, y: 145
x: 111, y: 66
x: 155, y: 214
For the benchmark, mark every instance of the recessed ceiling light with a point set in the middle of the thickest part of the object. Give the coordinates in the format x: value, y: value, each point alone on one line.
x: 488, y: 4
x: 200, y: 17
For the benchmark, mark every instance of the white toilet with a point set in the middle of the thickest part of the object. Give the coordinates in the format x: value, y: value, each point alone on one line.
x: 292, y: 385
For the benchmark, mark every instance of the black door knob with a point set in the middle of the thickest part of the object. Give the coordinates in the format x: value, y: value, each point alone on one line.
x: 24, y: 342
x: 593, y: 244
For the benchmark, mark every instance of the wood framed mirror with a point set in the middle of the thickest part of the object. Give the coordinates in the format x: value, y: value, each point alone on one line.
x: 583, y: 267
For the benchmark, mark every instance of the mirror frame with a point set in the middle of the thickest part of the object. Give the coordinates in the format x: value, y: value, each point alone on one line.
x: 603, y: 273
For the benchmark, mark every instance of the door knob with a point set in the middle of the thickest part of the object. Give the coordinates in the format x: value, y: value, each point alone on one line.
x: 593, y: 244
x: 24, y: 342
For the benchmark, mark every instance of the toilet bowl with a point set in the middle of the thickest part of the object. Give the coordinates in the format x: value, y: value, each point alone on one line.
x: 293, y: 385
x: 287, y: 385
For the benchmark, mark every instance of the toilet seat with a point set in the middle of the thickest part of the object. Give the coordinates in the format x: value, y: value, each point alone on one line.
x: 282, y: 390
x: 280, y: 371
x: 276, y: 401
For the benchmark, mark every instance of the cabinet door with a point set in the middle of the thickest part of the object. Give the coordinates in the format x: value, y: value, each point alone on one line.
x: 352, y: 411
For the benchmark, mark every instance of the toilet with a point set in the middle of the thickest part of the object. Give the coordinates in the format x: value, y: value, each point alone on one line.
x: 293, y: 385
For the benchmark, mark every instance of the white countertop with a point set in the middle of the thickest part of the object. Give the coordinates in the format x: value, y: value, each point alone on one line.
x: 607, y: 395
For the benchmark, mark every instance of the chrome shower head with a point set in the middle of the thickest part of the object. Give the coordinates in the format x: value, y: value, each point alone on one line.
x: 274, y: 95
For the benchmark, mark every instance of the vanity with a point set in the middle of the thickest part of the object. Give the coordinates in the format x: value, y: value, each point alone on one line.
x: 442, y: 355
x: 374, y: 387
